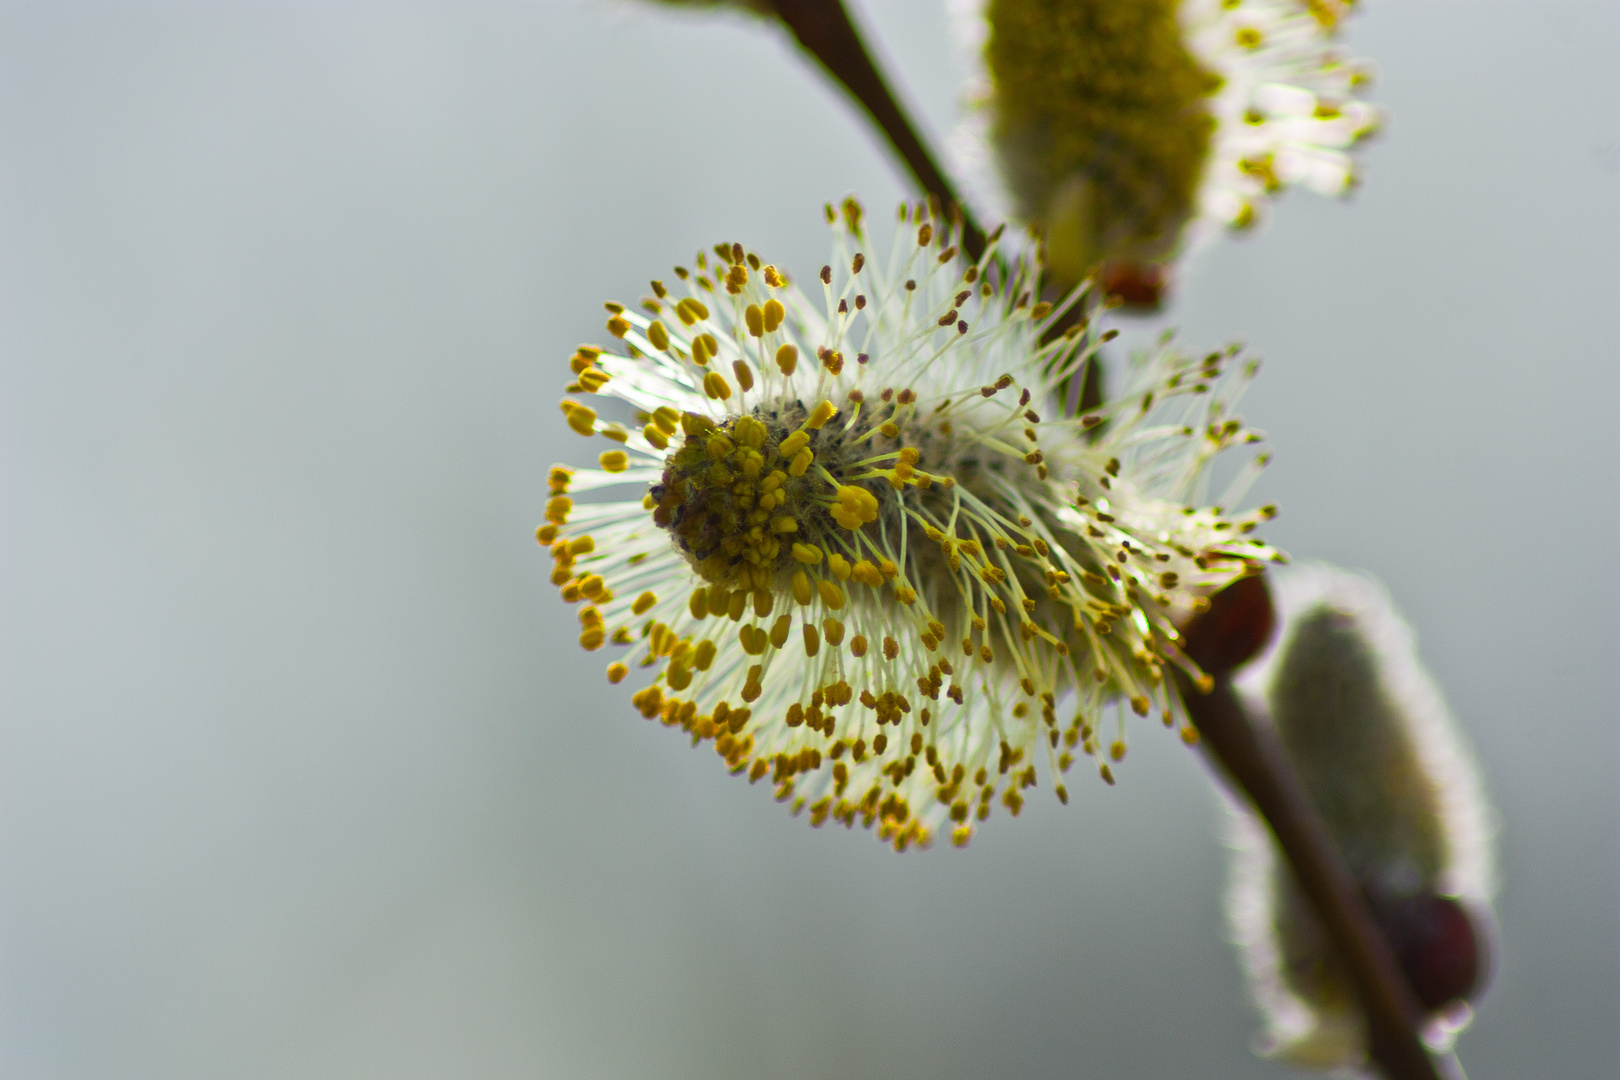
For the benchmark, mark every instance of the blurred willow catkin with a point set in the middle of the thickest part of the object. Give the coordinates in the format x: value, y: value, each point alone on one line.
x: 1383, y: 764
x: 1123, y: 129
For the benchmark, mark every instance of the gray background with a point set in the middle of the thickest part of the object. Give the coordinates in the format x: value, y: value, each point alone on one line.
x: 301, y: 771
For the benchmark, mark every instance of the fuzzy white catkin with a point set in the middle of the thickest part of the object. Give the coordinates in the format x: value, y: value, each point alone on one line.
x: 1386, y: 767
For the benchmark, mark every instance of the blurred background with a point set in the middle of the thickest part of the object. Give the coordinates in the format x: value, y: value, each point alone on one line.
x: 302, y: 773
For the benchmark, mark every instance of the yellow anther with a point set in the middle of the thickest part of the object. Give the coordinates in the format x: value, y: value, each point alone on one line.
x: 691, y: 311
x: 657, y: 335
x: 891, y: 429
x: 745, y: 376
x: 700, y: 350
x: 698, y: 605
x: 704, y: 655
x: 715, y: 385
x: 593, y: 379
x: 751, y: 687
x: 774, y: 313
x: 557, y: 509
x: 616, y: 673
x: 592, y: 587
x: 891, y: 648
x: 812, y: 640
x: 906, y: 595
x: 558, y: 478
x: 866, y: 573
x: 618, y: 326
x: 780, y: 630
x: 581, y: 545
x: 793, y: 444
x: 857, y: 646
x: 801, y: 588
x: 718, y: 447
x: 809, y: 554
x: 839, y: 566
x: 801, y: 462
x: 784, y: 525
x: 592, y: 638
x: 856, y: 506
x: 831, y: 594
x: 667, y: 419
x: 679, y: 678
x: 545, y: 534
x: 582, y: 418
x: 749, y: 432
x: 773, y: 481
x: 655, y: 435
x: 773, y: 277
x: 787, y: 358
x: 737, y: 605
x: 614, y: 460
x: 643, y: 602
x: 754, y: 316
x: 719, y: 598
x: 822, y: 413
x: 833, y: 631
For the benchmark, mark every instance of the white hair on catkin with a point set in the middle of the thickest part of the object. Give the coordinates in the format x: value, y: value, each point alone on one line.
x: 1296, y: 1029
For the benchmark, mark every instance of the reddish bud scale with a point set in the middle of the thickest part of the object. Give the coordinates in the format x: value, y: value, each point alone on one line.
x: 1237, y: 626
x: 1439, y: 944
x: 1140, y: 287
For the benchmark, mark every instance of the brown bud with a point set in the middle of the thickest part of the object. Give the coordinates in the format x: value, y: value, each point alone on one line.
x: 1234, y: 630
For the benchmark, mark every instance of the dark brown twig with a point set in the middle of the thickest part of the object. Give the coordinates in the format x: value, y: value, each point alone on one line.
x: 1234, y: 629
x: 825, y: 31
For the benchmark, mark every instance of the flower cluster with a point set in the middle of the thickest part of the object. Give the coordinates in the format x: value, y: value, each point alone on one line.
x: 861, y: 550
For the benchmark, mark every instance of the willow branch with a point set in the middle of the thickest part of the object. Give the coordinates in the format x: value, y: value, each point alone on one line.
x: 1238, y: 623
x: 1249, y: 753
x: 825, y: 31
